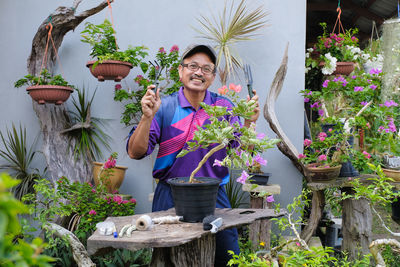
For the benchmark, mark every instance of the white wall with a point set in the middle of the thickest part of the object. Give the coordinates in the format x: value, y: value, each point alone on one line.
x: 153, y: 24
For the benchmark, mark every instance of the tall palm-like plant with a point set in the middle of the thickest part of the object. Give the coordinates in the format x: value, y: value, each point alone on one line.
x: 19, y: 156
x: 232, y: 26
x: 85, y: 129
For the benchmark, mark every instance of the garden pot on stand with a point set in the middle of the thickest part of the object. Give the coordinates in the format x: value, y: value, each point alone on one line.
x: 322, y: 174
x: 115, y: 180
x: 194, y: 201
x: 110, y: 70
x: 259, y: 178
x: 344, y: 68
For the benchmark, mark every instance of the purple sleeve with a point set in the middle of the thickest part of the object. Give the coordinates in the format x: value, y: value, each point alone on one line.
x: 154, y: 137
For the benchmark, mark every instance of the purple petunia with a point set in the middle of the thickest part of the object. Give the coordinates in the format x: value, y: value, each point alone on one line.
x: 315, y: 105
x: 358, y: 88
x: 325, y: 84
x: 375, y: 71
x: 364, y: 103
x: 306, y: 100
x: 373, y: 86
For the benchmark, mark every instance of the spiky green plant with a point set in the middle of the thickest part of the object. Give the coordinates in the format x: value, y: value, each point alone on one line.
x: 19, y: 156
x: 232, y: 26
x: 235, y: 194
x: 85, y: 129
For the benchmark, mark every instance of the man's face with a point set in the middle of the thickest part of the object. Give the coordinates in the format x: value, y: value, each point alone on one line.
x: 196, y: 80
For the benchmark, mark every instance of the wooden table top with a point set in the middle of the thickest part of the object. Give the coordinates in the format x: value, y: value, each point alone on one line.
x: 171, y: 235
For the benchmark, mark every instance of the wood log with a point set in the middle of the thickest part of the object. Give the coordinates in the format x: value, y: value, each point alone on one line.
x: 79, y: 252
x: 259, y: 231
x: 317, y: 207
x: 57, y: 149
x: 356, y: 226
x: 190, y: 254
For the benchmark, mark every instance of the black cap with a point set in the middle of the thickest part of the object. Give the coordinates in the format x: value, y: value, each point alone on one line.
x: 196, y: 48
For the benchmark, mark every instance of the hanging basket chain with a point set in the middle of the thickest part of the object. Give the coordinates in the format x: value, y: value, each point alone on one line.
x: 112, y: 23
x: 49, y: 26
x: 338, y: 21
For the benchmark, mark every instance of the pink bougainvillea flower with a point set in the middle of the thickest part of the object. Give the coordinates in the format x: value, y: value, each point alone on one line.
x: 217, y: 163
x: 320, y: 112
x: 366, y: 154
x: 118, y: 87
x: 117, y: 199
x: 110, y: 163
x: 322, y: 158
x: 174, y: 48
x: 298, y: 244
x: 92, y: 212
x: 260, y: 136
x: 236, y: 88
x: 138, y: 79
x: 243, y: 177
x: 322, y: 136
x: 93, y: 191
x: 161, y: 50
x: 307, y: 142
x: 260, y: 160
x: 358, y: 88
x: 330, y: 130
x: 368, y: 125
x: 309, y: 93
x: 132, y: 200
x: 306, y: 100
x: 223, y: 90
x: 375, y: 71
x: 270, y: 199
x: 125, y: 201
x: 301, y: 156
x: 315, y: 105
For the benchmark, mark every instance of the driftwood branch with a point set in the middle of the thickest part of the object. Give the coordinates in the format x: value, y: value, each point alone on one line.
x: 79, y: 252
x: 374, y: 248
x: 285, y: 146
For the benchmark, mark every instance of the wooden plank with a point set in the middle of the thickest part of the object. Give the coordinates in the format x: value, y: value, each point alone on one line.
x: 171, y: 235
x: 272, y: 189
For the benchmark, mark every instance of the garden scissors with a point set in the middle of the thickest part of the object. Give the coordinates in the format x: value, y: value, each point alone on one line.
x: 157, y: 72
x: 249, y: 79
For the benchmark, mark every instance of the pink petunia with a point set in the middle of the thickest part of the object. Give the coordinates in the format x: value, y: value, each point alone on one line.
x: 243, y: 177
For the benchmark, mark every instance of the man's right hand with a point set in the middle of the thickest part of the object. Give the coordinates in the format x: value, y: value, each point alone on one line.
x: 151, y: 102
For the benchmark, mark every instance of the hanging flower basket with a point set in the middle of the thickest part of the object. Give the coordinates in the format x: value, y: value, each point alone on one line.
x: 49, y: 93
x: 321, y: 174
x: 344, y: 68
x: 110, y: 70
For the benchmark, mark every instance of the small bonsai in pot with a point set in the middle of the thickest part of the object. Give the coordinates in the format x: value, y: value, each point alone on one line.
x: 46, y: 88
x: 240, y: 143
x: 109, y: 63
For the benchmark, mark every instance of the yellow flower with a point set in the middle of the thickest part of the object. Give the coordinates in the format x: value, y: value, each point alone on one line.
x: 262, y: 244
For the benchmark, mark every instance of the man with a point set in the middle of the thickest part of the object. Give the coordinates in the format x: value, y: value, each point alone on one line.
x: 171, y: 122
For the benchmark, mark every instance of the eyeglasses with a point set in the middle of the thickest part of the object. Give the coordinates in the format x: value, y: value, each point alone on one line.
x: 206, y: 69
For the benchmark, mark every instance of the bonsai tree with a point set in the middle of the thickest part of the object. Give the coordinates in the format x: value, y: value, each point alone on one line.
x: 104, y: 45
x: 240, y: 142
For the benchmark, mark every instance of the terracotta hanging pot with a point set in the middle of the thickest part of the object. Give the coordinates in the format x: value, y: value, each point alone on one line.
x: 344, y: 68
x: 115, y: 180
x: 320, y: 174
x: 110, y: 70
x: 49, y: 93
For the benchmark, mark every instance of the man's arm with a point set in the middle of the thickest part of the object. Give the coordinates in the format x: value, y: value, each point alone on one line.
x: 139, y: 140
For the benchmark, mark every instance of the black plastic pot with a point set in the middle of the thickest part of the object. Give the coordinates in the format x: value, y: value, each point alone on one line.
x: 259, y: 178
x: 194, y: 201
x: 396, y: 210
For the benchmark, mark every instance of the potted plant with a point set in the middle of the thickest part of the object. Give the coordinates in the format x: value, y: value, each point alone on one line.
x: 168, y: 80
x: 256, y: 175
x: 190, y: 193
x: 109, y: 63
x: 324, y: 155
x: 46, y: 88
x: 334, y: 53
x: 109, y: 174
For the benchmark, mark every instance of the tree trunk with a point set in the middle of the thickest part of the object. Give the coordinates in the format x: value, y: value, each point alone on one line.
x: 57, y: 148
x: 317, y: 207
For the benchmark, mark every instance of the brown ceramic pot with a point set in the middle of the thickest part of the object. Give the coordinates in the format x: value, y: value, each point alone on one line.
x: 344, y: 68
x: 115, y: 180
x: 320, y: 174
x: 110, y: 70
x: 49, y: 93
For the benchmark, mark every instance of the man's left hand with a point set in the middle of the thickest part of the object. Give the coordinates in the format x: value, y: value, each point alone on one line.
x: 256, y: 114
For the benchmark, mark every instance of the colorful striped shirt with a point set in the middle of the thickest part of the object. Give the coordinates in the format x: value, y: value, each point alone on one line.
x: 174, y: 125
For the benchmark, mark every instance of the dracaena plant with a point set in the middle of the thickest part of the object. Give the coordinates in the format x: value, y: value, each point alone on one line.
x: 243, y: 144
